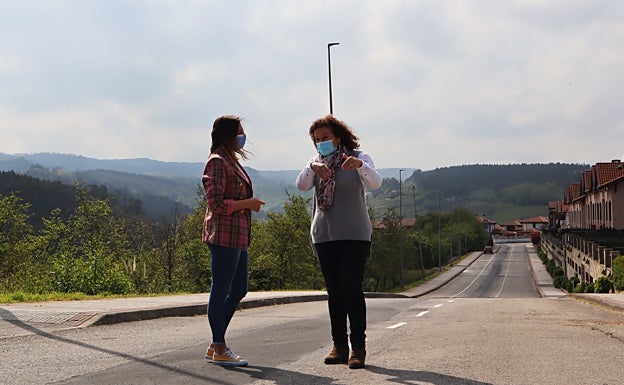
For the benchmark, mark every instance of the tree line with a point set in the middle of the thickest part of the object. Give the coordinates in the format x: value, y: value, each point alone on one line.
x: 96, y: 246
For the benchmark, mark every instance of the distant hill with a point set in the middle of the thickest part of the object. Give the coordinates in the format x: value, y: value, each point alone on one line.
x: 501, y: 192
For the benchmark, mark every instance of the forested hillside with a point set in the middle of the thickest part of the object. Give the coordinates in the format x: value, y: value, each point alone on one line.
x: 44, y: 197
x: 502, y: 192
x: 90, y: 230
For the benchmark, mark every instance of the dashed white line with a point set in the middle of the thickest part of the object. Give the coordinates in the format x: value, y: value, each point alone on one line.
x: 397, y: 325
x: 438, y: 305
x: 422, y: 313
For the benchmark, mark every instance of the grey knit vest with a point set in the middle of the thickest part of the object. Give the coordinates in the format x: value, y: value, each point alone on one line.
x: 348, y: 219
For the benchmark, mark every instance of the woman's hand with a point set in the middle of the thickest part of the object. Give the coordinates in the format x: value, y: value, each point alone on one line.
x: 255, y: 204
x: 321, y: 170
x: 249, y: 203
x: 351, y: 162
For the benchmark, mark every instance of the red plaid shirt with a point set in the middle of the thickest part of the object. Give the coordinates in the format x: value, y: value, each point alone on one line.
x: 225, y: 181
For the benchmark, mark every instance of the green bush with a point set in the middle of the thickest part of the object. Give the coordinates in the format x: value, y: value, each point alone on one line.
x: 603, y: 285
x: 557, y: 272
x: 550, y: 265
x: 571, y: 285
x: 584, y: 287
x: 561, y: 282
x: 618, y: 273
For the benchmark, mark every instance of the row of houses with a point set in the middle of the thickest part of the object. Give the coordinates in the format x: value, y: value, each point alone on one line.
x: 516, y: 227
x: 587, y: 225
x: 595, y: 202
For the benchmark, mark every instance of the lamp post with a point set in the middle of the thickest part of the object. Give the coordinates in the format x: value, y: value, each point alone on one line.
x: 439, y: 233
x: 401, y: 225
x: 422, y: 263
x: 329, y: 45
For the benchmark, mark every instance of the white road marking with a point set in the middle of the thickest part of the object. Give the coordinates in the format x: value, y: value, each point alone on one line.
x: 438, y: 305
x: 475, y: 278
x: 504, y: 277
x: 397, y: 325
x: 422, y: 313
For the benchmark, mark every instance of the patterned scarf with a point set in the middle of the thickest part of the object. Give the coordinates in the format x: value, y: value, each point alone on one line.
x: 325, y: 195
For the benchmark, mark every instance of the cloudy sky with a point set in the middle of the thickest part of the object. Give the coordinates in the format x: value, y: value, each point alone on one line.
x: 425, y: 84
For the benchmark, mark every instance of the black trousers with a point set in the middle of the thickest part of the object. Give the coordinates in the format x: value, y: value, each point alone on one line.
x: 342, y: 264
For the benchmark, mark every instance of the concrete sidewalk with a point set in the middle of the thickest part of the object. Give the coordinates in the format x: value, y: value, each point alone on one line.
x: 28, y: 318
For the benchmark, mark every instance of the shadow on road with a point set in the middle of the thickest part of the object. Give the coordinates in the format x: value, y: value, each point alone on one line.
x: 276, y: 375
x: 11, y: 318
x: 409, y: 376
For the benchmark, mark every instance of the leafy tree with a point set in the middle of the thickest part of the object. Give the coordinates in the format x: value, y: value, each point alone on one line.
x: 15, y: 238
x: 90, y: 250
x: 383, y: 270
x: 192, y: 272
x: 280, y: 253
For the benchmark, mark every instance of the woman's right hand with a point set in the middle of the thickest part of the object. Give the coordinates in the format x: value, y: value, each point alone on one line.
x: 321, y: 170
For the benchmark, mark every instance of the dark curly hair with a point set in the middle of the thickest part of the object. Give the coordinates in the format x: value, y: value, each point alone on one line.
x: 340, y: 130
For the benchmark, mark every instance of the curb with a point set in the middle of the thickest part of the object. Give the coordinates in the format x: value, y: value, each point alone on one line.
x: 604, y: 303
x: 201, y: 309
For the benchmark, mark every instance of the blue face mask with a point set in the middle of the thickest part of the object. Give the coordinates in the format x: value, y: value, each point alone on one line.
x: 240, y: 141
x: 326, y: 148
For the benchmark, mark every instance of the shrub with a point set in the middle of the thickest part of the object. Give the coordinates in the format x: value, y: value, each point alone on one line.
x: 618, y: 272
x: 570, y: 286
x: 589, y: 287
x: 550, y: 265
x: 557, y: 272
x: 603, y: 285
x: 561, y: 282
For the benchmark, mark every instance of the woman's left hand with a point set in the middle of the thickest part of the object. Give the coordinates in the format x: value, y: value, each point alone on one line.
x: 351, y: 163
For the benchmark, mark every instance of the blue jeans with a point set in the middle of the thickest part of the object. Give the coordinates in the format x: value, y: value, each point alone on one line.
x: 229, y: 287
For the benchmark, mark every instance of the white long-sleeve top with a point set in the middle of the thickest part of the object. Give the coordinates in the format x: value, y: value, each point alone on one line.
x: 348, y: 218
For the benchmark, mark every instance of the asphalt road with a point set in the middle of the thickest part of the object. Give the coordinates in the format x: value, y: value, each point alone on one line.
x: 487, y: 326
x: 504, y: 274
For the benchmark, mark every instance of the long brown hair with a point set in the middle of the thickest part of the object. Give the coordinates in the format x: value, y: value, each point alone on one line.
x: 347, y: 138
x: 224, y: 132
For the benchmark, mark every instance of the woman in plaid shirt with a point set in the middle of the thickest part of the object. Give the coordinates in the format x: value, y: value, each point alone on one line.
x: 227, y: 228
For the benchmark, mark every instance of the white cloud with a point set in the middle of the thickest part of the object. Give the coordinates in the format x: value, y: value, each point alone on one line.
x: 425, y: 84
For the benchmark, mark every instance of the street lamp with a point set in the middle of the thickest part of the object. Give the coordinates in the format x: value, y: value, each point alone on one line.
x: 439, y: 233
x: 401, y: 225
x: 329, y: 45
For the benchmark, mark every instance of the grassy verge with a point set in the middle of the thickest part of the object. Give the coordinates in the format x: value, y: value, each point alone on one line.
x: 30, y: 297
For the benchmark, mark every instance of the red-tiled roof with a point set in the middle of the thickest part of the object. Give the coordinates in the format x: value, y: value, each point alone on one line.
x: 538, y: 219
x: 586, y: 184
x: 557, y: 206
x: 576, y: 190
x: 486, y: 220
x: 604, y: 173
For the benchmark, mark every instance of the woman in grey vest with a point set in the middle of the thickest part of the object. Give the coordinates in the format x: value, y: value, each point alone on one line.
x: 341, y: 230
